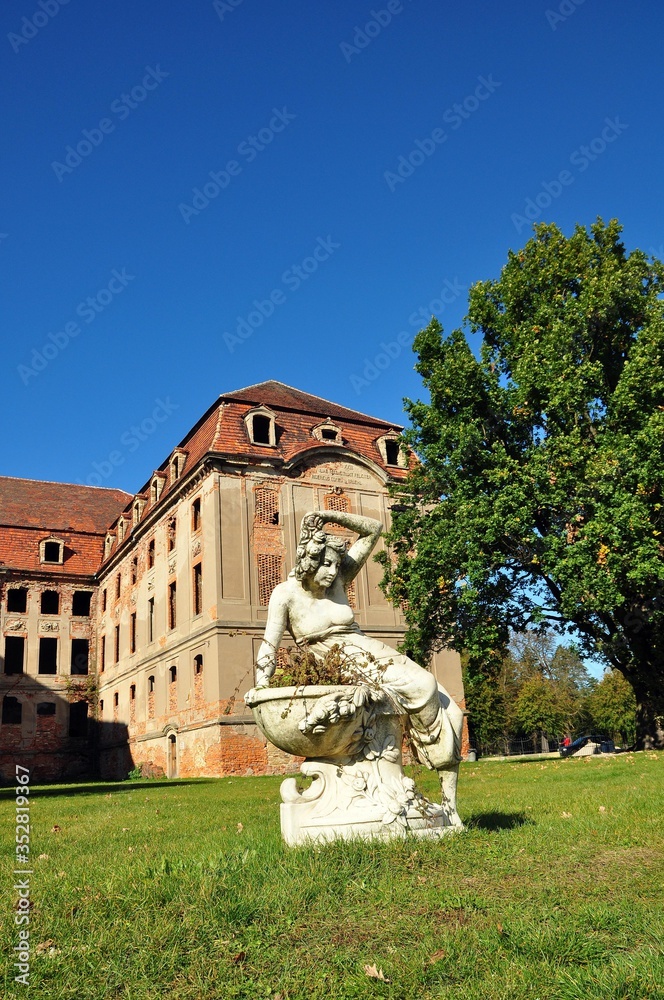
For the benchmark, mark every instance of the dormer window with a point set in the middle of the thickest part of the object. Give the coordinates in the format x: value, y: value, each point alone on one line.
x: 137, y: 511
x: 121, y: 529
x: 328, y: 431
x: 392, y: 452
x: 177, y: 465
x: 51, y: 550
x: 156, y: 486
x: 108, y: 544
x: 260, y: 424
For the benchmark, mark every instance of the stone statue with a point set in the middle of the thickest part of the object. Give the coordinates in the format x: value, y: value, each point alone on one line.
x: 313, y: 606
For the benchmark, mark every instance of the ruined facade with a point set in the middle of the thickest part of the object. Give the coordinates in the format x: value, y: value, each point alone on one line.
x: 178, y: 578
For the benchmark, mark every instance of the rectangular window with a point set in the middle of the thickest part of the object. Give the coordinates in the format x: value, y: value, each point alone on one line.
x: 118, y: 586
x: 196, y: 514
x: 171, y: 530
x: 17, y: 599
x: 151, y: 620
x: 48, y: 656
x: 104, y: 597
x: 78, y: 719
x: 80, y: 653
x: 50, y: 602
x: 116, y: 650
x: 172, y: 605
x: 134, y: 569
x: 102, y: 654
x: 80, y: 605
x: 132, y: 633
x: 151, y: 554
x: 198, y: 589
x: 14, y: 654
x: 45, y: 708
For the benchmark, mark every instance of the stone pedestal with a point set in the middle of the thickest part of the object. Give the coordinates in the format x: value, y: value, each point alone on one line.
x: 351, y: 736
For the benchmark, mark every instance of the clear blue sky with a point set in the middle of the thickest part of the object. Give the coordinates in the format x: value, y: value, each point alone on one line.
x: 180, y: 89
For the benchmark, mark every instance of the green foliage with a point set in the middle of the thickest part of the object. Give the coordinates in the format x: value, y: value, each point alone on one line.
x: 613, y: 708
x: 537, y: 502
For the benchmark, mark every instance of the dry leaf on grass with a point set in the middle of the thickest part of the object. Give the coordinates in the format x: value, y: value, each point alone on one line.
x: 239, y: 958
x: 436, y: 957
x: 374, y: 973
x: 240, y: 828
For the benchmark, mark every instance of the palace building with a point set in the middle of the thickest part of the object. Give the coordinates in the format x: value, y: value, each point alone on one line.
x: 130, y: 624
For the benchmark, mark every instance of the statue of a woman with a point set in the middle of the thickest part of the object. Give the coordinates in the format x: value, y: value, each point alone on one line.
x: 313, y: 606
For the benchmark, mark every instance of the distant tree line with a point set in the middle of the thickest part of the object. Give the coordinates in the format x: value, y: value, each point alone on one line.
x: 543, y: 692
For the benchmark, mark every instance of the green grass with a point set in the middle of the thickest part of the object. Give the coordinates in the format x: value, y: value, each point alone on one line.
x: 151, y: 890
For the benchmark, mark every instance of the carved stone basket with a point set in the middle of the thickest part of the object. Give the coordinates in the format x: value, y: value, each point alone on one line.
x: 351, y: 736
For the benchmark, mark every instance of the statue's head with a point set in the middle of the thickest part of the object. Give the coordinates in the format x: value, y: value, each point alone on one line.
x: 318, y: 554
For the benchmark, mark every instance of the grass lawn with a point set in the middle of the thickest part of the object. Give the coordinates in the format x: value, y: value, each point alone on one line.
x: 184, y: 890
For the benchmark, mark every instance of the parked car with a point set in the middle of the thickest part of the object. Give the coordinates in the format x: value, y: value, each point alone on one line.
x: 605, y: 745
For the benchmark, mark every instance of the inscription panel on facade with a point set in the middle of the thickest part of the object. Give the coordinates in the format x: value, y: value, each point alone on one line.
x: 340, y: 473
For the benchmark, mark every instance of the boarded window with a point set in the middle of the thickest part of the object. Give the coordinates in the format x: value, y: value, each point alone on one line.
x: 46, y: 708
x: 14, y: 654
x: 78, y: 719
x: 196, y: 514
x: 48, y: 656
x: 80, y: 605
x: 132, y: 633
x: 12, y: 711
x: 336, y: 501
x: 269, y: 575
x: 266, y: 510
x: 50, y: 602
x: 172, y: 605
x: 80, y: 652
x: 198, y: 589
x: 17, y: 599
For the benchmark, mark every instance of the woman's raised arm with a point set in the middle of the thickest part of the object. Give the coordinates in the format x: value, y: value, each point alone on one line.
x: 369, y: 530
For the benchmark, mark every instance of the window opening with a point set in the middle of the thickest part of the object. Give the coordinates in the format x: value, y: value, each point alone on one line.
x: 151, y: 620
x: 52, y: 552
x: 80, y: 605
x: 196, y: 514
x: 132, y: 633
x: 50, y: 602
x: 261, y: 427
x: 48, y: 656
x: 172, y: 605
x: 17, y: 599
x: 14, y: 654
x: 116, y: 649
x: 78, y: 719
x: 392, y: 452
x: 151, y: 554
x: 46, y: 708
x: 12, y: 711
x: 80, y: 654
x: 198, y: 664
x: 198, y: 589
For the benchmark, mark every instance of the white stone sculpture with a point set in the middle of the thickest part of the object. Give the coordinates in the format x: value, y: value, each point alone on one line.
x: 351, y: 734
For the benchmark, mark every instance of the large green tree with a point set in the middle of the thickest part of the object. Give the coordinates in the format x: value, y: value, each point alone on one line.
x: 537, y: 500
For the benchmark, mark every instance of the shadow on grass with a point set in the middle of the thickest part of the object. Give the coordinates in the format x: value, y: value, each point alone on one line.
x: 101, y: 787
x: 498, y: 821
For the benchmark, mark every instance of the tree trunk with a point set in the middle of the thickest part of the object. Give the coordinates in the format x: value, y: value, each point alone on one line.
x: 649, y: 693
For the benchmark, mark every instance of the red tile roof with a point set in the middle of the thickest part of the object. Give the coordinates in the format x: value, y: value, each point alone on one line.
x: 284, y: 397
x: 31, y: 511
